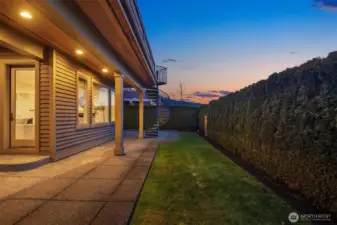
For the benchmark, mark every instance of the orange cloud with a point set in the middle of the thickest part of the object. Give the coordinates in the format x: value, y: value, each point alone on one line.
x: 204, y: 97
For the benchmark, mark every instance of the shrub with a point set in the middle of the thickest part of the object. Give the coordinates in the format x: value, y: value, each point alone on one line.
x: 286, y: 126
x: 182, y: 118
x: 131, y: 116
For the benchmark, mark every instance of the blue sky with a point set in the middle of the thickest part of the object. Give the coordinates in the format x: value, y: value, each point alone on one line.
x: 227, y: 45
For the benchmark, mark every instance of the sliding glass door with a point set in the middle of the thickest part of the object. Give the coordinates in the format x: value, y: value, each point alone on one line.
x: 22, y: 115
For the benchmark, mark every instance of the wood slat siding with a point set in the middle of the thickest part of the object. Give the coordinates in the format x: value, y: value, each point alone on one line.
x: 68, y: 136
x: 45, y: 107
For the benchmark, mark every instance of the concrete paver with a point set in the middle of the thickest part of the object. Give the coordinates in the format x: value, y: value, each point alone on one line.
x: 127, y: 191
x: 145, y: 160
x: 89, y: 190
x: 46, y: 189
x: 12, y: 210
x: 63, y: 212
x: 10, y: 185
x: 114, y: 213
x: 107, y: 172
x: 122, y: 161
x: 79, y: 171
x: 137, y: 173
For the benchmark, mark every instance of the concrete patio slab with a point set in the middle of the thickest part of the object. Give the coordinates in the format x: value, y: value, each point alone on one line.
x: 127, y: 191
x: 12, y: 210
x: 46, y: 189
x: 108, y: 172
x: 11, y: 185
x: 79, y: 171
x: 114, y: 213
x: 63, y: 213
x: 121, y: 161
x: 89, y: 190
x: 148, y: 154
x: 137, y: 173
x: 144, y: 161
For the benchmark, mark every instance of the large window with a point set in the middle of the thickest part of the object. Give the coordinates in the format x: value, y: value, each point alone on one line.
x: 100, y: 108
x: 112, y: 100
x: 82, y: 112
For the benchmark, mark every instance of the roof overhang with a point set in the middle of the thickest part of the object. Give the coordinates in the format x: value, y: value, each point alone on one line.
x: 69, y: 25
x: 127, y: 16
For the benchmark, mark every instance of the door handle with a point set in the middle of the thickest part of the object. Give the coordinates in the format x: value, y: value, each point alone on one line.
x: 12, y: 117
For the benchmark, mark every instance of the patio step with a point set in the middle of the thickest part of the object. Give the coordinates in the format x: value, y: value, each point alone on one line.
x: 18, y: 162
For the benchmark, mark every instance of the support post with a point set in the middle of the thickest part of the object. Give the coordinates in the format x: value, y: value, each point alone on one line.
x: 141, y: 113
x: 119, y: 114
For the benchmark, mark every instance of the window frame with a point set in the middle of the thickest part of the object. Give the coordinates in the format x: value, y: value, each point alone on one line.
x: 110, y: 97
x: 81, y: 75
x: 93, y: 105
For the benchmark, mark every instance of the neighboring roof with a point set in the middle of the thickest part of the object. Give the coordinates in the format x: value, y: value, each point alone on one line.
x: 129, y: 94
x: 171, y: 102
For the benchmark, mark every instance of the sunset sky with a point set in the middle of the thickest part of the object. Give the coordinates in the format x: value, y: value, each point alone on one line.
x: 225, y: 45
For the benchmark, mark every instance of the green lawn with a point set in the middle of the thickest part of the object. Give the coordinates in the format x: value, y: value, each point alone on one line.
x: 192, y: 183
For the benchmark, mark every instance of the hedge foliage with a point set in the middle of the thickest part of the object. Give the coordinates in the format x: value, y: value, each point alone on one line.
x: 182, y: 118
x: 131, y: 116
x: 286, y: 126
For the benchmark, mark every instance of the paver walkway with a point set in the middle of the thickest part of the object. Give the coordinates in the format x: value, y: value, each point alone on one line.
x: 93, y: 187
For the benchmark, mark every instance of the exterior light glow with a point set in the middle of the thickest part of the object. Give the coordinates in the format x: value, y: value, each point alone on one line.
x: 105, y: 70
x: 79, y: 52
x: 26, y: 14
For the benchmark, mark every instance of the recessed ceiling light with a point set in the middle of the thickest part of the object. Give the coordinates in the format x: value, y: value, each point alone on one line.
x: 26, y: 14
x: 105, y: 70
x: 79, y: 52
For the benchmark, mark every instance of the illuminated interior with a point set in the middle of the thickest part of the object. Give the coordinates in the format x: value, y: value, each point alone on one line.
x: 24, y: 104
x: 100, y: 110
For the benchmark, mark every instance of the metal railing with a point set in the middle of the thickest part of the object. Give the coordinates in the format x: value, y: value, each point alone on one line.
x: 131, y: 8
x: 161, y: 73
x: 163, y: 94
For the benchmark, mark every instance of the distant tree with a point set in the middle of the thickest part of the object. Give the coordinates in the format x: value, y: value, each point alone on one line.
x: 173, y: 96
x: 181, y: 90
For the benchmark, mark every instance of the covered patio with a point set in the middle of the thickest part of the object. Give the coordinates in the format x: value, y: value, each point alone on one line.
x: 92, y: 187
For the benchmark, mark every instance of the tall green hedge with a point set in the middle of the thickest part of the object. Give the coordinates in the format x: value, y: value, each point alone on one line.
x: 131, y: 116
x: 182, y: 118
x: 286, y: 126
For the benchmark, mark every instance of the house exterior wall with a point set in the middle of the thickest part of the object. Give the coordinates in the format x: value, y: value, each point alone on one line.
x: 45, y: 104
x: 69, y: 139
x: 58, y: 133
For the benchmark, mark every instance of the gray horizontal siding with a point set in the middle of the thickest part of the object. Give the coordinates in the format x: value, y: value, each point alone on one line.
x: 67, y: 135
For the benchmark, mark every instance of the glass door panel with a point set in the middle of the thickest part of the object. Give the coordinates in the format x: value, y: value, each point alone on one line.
x: 23, y: 119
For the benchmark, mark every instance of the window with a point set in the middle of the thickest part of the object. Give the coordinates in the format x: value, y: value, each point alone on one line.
x: 100, y: 108
x: 112, y: 101
x: 82, y: 99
